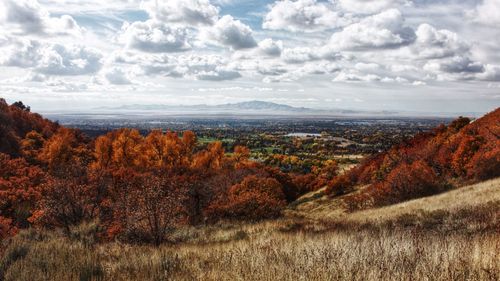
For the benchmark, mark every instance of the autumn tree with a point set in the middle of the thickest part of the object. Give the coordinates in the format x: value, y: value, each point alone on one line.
x: 66, y: 202
x: 66, y: 148
x: 127, y: 148
x: 253, y: 199
x: 241, y: 153
x: 31, y: 146
x: 407, y: 181
x: 19, y: 189
x: 153, y: 205
x: 210, y: 159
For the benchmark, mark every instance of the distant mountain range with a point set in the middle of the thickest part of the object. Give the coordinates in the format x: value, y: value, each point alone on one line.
x: 248, y: 107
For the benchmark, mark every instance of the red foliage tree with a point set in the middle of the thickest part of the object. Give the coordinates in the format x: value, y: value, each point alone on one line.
x: 253, y: 199
x: 148, y: 207
x: 19, y: 189
x: 407, y: 181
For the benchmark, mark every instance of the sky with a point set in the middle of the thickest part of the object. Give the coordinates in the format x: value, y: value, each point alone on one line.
x: 405, y: 55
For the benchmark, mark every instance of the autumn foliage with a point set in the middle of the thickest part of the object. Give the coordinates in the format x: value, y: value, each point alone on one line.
x: 463, y: 152
x: 138, y: 187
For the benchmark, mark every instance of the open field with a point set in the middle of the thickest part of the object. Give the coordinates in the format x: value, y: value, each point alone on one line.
x: 452, y: 236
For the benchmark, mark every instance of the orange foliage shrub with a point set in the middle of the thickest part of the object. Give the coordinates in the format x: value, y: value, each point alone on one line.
x: 66, y: 202
x: 405, y: 182
x: 252, y: 199
x: 149, y: 207
x: 65, y: 148
x: 19, y: 189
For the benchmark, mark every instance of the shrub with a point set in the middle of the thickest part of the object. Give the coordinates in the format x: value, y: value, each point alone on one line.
x: 405, y: 182
x: 485, y: 165
x: 252, y: 199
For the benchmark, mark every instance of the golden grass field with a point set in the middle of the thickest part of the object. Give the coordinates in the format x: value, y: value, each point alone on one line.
x: 451, y: 236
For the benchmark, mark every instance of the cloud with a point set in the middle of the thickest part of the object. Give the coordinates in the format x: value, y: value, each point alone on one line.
x: 230, y: 32
x: 320, y: 68
x: 155, y: 37
x: 199, y: 67
x: 380, y: 31
x: 457, y: 64
x: 303, y: 16
x: 432, y: 43
x: 367, y: 66
x: 21, y: 53
x: 192, y: 12
x: 28, y: 17
x: 271, y: 69
x: 218, y: 75
x: 355, y: 76
x: 491, y: 73
x: 271, y: 47
x: 488, y: 12
x: 52, y: 59
x: 370, y: 6
x: 300, y: 55
x: 62, y: 86
x: 117, y: 76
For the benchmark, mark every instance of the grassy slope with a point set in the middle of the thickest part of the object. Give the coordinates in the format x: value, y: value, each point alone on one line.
x: 317, y: 206
x: 394, y: 245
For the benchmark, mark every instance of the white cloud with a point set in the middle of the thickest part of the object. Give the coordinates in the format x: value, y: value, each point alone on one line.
x: 488, y: 12
x: 384, y: 30
x: 199, y: 67
x: 432, y: 43
x: 367, y: 66
x: 28, y: 17
x: 370, y: 6
x: 230, y: 32
x: 21, y: 53
x: 52, y: 59
x: 355, y: 76
x: 299, y: 55
x: 63, y: 86
x: 219, y: 74
x: 458, y: 67
x: 320, y: 68
x: 418, y: 83
x: 303, y: 15
x: 155, y: 37
x: 271, y: 47
x: 117, y: 76
x: 193, y: 12
x: 491, y: 73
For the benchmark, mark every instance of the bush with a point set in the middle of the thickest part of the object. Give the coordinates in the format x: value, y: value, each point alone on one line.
x: 485, y: 165
x: 252, y: 199
x: 405, y: 182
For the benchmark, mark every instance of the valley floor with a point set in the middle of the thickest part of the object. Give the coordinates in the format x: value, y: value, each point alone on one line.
x: 452, y: 236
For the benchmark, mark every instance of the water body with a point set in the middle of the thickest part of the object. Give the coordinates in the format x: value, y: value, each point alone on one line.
x: 303, y: 135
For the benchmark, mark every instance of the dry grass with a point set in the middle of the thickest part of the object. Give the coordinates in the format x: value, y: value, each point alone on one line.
x: 427, y: 239
x: 469, y: 197
x: 318, y: 206
x: 332, y: 255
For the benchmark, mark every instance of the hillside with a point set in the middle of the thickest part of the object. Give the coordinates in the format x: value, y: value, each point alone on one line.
x: 16, y: 121
x: 317, y: 206
x: 454, y: 236
x: 462, y: 153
